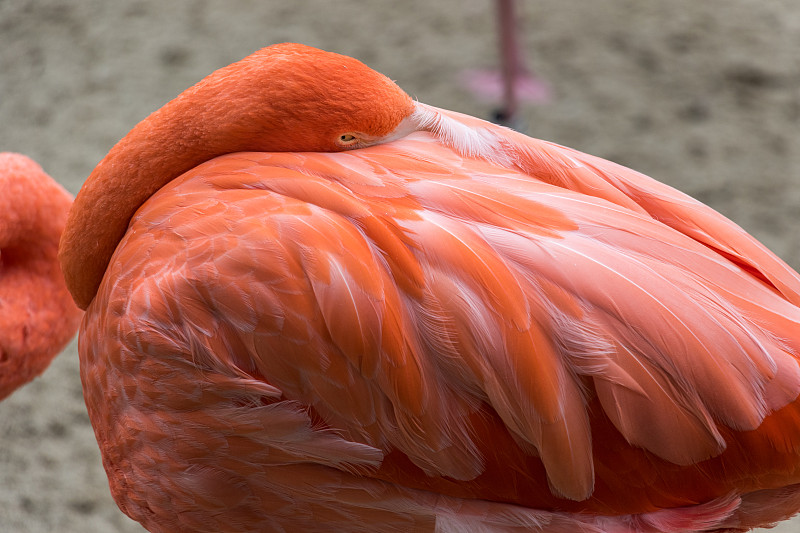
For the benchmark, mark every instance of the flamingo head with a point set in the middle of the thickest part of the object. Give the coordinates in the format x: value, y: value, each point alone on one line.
x: 283, y: 98
x: 292, y: 97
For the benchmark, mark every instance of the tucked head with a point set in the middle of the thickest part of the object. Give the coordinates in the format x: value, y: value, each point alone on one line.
x: 286, y: 97
x: 292, y: 97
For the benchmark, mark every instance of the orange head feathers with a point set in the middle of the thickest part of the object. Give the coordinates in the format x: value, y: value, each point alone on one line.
x: 37, y: 316
x: 286, y: 97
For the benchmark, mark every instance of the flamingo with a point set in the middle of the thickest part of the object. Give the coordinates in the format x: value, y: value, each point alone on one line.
x: 37, y: 314
x: 314, y: 304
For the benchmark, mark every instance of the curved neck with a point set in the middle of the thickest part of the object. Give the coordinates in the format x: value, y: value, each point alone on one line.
x: 284, y: 97
x: 137, y: 167
x: 33, y: 208
x: 212, y: 118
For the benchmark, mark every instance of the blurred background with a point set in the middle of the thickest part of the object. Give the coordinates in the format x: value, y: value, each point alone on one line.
x: 702, y: 95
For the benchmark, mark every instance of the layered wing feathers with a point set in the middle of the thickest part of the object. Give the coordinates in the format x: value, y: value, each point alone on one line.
x: 402, y: 290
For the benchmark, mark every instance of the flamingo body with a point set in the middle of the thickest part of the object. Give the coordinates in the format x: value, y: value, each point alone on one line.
x: 37, y: 314
x: 458, y: 328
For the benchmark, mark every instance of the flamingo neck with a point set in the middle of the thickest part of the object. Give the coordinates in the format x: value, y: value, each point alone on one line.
x: 150, y: 156
x: 285, y: 97
x: 212, y: 118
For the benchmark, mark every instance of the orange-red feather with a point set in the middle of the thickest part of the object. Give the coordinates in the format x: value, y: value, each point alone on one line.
x: 37, y: 316
x: 552, y: 332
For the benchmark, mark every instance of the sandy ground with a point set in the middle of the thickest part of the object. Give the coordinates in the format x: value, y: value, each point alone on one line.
x: 702, y: 95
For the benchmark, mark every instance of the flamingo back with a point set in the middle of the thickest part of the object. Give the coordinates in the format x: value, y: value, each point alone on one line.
x: 419, y: 335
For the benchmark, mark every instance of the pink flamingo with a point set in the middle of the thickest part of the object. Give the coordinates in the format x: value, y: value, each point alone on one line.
x: 313, y: 304
x: 37, y: 314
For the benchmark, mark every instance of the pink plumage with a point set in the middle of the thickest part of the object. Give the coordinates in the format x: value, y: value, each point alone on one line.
x: 329, y: 310
x: 37, y: 315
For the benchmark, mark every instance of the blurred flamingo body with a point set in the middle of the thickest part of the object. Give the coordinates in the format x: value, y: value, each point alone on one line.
x: 37, y: 314
x: 316, y: 305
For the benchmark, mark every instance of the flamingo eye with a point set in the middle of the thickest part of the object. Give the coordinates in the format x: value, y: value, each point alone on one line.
x: 347, y: 139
